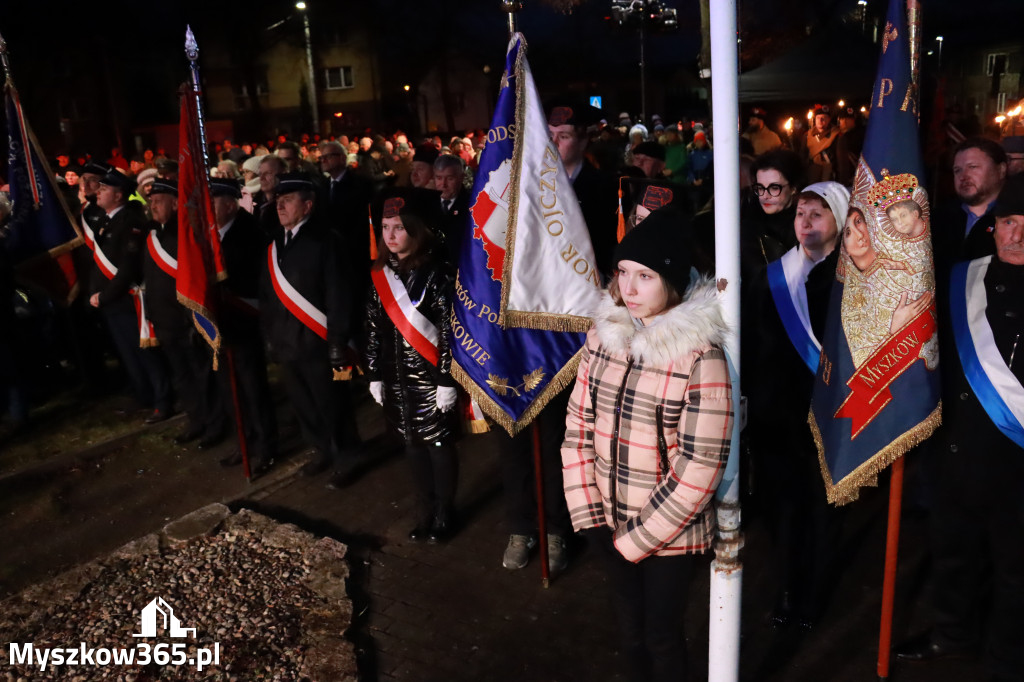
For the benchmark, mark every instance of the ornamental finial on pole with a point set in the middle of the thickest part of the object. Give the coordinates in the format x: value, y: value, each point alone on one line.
x: 511, y: 7
x: 191, y: 46
x: 3, y: 58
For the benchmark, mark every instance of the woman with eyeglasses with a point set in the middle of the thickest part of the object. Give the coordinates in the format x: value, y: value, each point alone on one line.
x: 784, y: 317
x: 766, y: 225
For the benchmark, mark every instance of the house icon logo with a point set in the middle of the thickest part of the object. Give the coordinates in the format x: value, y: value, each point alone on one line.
x: 159, y: 609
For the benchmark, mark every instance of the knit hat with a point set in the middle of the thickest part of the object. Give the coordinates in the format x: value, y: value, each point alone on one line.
x: 638, y: 128
x: 662, y: 243
x: 145, y: 177
x: 651, y: 149
x: 252, y: 164
x: 1011, y: 198
x: 835, y: 195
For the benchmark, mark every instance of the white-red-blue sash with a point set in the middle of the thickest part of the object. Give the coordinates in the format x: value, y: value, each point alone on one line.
x: 163, y: 260
x: 997, y: 388
x: 147, y: 335
x: 296, y: 303
x: 802, y: 338
x: 416, y: 329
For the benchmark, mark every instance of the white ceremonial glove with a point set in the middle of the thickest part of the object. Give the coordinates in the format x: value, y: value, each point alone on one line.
x: 377, y: 391
x: 446, y: 398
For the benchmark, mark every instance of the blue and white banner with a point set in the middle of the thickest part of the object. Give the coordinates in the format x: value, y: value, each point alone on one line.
x: 996, y: 386
x: 511, y: 372
x: 549, y: 277
x: 876, y: 392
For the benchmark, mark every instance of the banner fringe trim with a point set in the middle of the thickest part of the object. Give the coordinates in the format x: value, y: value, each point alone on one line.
x: 866, y: 475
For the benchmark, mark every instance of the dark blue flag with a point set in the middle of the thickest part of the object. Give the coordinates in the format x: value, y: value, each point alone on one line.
x: 511, y: 373
x: 42, y: 232
x: 876, y: 393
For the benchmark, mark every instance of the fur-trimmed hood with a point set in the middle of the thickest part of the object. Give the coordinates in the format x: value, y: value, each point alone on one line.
x: 694, y: 324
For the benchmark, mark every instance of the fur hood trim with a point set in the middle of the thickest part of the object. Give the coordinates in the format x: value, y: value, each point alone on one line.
x: 693, y: 325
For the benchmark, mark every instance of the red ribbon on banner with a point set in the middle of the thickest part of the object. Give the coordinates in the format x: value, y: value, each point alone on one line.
x: 869, y: 385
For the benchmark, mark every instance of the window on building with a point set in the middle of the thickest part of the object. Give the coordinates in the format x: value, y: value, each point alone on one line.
x: 995, y: 64
x: 339, y: 77
x: 1001, y: 102
x: 241, y: 93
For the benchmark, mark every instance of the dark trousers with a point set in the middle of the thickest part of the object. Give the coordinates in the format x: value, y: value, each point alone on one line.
x: 345, y: 432
x: 259, y: 421
x: 977, y: 540
x: 312, y: 397
x: 649, y: 600
x: 435, y: 475
x: 192, y: 377
x: 517, y: 472
x: 146, y: 372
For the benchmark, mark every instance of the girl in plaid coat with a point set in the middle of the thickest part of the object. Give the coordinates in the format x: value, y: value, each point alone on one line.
x: 647, y: 437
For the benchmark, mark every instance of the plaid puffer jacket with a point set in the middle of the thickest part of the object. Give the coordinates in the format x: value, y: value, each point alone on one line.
x: 648, y: 427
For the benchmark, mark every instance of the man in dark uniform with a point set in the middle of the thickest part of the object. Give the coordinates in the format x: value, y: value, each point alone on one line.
x: 449, y: 174
x: 244, y: 249
x: 191, y: 371
x: 596, y: 191
x: 305, y: 309
x: 121, y: 240
x: 977, y: 521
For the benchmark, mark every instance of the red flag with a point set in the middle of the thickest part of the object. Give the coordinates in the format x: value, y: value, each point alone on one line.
x: 200, y: 263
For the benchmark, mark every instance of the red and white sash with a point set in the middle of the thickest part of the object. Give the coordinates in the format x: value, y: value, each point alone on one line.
x: 102, y: 262
x: 416, y: 329
x: 163, y: 260
x: 147, y: 335
x: 296, y: 303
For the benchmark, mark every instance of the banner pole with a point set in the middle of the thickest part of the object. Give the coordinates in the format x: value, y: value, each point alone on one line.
x: 542, y: 529
x: 892, y: 544
x: 727, y: 569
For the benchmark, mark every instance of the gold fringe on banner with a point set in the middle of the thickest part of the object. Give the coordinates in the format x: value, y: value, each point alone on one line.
x: 558, y: 382
x: 196, y: 308
x: 517, y: 165
x: 547, y: 321
x: 866, y: 475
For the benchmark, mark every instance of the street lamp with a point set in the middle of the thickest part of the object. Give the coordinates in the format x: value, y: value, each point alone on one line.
x: 939, y: 40
x: 301, y: 6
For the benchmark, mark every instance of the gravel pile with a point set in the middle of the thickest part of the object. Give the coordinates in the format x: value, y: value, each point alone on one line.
x: 269, y: 599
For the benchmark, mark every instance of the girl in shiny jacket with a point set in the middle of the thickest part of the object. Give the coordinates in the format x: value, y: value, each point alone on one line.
x: 647, y: 438
x: 409, y: 361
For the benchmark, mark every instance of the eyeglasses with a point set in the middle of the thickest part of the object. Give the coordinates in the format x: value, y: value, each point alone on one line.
x: 773, y: 189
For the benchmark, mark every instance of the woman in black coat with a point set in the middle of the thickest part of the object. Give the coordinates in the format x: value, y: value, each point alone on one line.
x: 409, y: 359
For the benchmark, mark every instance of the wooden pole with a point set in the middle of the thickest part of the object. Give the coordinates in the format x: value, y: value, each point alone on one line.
x: 892, y: 543
x: 542, y: 526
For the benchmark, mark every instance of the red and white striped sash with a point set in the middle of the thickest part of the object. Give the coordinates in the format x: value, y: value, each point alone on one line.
x: 296, y: 303
x: 147, y: 335
x: 416, y: 329
x: 163, y: 260
x: 102, y: 262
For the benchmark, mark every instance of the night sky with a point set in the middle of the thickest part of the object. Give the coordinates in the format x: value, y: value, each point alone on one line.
x: 50, y: 43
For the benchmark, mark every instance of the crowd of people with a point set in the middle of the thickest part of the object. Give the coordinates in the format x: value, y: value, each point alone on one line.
x: 634, y: 450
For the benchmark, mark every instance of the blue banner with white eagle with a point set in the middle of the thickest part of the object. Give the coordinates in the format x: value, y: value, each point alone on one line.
x: 511, y: 372
x: 876, y: 392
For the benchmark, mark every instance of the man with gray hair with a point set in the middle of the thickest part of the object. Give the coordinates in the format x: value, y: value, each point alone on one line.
x: 449, y: 173
x: 266, y: 199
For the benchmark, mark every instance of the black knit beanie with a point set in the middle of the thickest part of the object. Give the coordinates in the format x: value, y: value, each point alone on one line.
x: 662, y: 243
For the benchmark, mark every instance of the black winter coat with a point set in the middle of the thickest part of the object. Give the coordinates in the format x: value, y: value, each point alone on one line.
x: 410, y: 381
x: 171, y: 319
x: 312, y: 265
x: 123, y: 240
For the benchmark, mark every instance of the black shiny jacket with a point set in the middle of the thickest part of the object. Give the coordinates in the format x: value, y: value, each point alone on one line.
x: 410, y: 381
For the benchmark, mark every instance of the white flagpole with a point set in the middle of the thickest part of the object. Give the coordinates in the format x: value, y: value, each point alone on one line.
x: 726, y: 569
